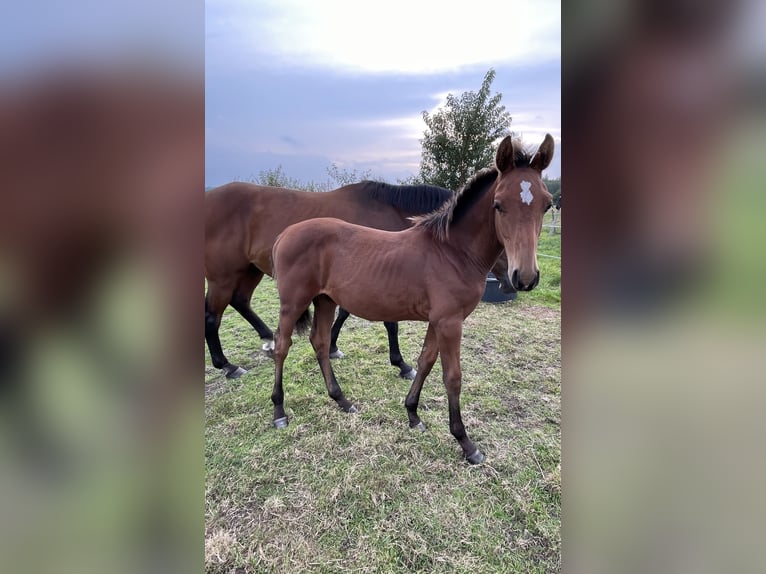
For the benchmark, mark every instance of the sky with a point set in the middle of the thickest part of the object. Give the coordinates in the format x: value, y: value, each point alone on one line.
x: 302, y: 84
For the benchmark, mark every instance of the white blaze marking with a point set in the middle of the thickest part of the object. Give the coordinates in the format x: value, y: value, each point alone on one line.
x: 526, y: 195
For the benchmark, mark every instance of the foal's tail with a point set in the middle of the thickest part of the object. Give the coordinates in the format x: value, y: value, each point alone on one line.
x: 304, y: 322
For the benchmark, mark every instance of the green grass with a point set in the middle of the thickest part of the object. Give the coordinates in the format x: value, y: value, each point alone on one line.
x: 363, y: 493
x: 548, y: 292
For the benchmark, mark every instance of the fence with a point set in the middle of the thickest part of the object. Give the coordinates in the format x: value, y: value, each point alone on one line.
x: 552, y: 222
x: 556, y: 216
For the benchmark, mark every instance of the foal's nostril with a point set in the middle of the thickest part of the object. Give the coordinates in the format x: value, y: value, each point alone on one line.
x: 515, y: 280
x: 519, y: 286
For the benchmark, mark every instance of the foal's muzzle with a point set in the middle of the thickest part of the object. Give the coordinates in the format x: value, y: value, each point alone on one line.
x: 519, y: 286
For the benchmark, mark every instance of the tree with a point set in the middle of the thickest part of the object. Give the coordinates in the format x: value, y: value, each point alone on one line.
x: 460, y: 137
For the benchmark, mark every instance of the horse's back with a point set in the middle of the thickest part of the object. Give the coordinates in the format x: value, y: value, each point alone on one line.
x: 242, y: 220
x: 312, y: 236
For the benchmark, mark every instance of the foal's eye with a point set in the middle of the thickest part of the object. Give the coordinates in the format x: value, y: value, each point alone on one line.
x: 497, y: 207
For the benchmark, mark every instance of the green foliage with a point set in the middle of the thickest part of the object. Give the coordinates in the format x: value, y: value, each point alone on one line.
x: 410, y: 180
x: 342, y: 176
x: 554, y: 187
x: 276, y: 177
x: 338, y: 177
x: 460, y: 137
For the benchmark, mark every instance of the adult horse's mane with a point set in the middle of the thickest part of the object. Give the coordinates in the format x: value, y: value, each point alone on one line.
x: 439, y: 221
x: 410, y: 198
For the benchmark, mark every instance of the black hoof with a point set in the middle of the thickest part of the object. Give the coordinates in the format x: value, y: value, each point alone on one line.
x: 409, y: 374
x: 280, y: 423
x: 420, y: 426
x: 337, y: 354
x: 476, y: 457
x: 235, y: 373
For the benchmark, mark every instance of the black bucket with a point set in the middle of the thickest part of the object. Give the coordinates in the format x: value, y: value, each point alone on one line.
x: 492, y: 293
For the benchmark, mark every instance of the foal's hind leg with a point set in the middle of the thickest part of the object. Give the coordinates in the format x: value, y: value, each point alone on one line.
x: 426, y: 361
x: 241, y: 302
x: 216, y: 299
x: 288, y: 317
x: 324, y: 310
x: 405, y: 370
x: 342, y: 316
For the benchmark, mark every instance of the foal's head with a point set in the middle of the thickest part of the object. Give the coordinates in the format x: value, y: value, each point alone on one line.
x: 521, y: 200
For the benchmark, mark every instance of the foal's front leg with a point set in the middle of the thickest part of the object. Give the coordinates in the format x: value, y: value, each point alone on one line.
x: 426, y: 361
x: 449, y: 335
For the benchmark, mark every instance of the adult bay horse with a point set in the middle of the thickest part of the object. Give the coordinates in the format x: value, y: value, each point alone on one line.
x: 434, y: 272
x: 243, y: 220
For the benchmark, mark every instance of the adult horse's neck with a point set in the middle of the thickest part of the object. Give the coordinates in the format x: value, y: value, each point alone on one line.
x: 474, y: 233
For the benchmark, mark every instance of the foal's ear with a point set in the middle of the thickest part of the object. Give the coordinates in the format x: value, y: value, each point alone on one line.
x: 504, y: 157
x: 544, y: 154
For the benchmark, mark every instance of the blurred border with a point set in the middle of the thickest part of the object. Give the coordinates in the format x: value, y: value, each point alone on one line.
x: 101, y: 187
x: 662, y: 286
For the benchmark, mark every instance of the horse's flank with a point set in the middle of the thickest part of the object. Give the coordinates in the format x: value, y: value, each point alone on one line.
x: 338, y: 257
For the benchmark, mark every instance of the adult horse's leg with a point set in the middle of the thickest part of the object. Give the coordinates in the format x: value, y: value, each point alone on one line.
x: 449, y: 335
x: 241, y: 302
x: 216, y: 299
x: 405, y: 370
x: 394, y: 354
x: 426, y: 361
x: 342, y: 316
x: 324, y: 310
x: 288, y: 317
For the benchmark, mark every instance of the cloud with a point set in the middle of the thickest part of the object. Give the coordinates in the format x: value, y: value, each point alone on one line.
x: 335, y: 81
x: 397, y: 36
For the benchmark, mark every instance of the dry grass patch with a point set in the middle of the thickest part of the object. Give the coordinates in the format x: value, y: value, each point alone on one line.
x: 363, y: 493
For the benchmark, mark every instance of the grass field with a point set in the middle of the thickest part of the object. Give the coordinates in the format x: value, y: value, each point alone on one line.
x: 363, y: 493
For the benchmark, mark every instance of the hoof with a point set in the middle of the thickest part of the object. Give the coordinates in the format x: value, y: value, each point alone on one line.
x: 411, y: 374
x: 236, y: 373
x: 268, y: 346
x: 352, y: 409
x: 337, y: 354
x: 420, y: 426
x: 280, y: 423
x: 476, y: 457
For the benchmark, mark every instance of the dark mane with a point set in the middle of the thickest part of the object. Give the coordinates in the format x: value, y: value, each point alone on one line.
x: 439, y: 221
x: 410, y: 198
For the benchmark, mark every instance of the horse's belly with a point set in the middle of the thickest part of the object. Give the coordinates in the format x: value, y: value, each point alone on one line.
x: 383, y: 307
